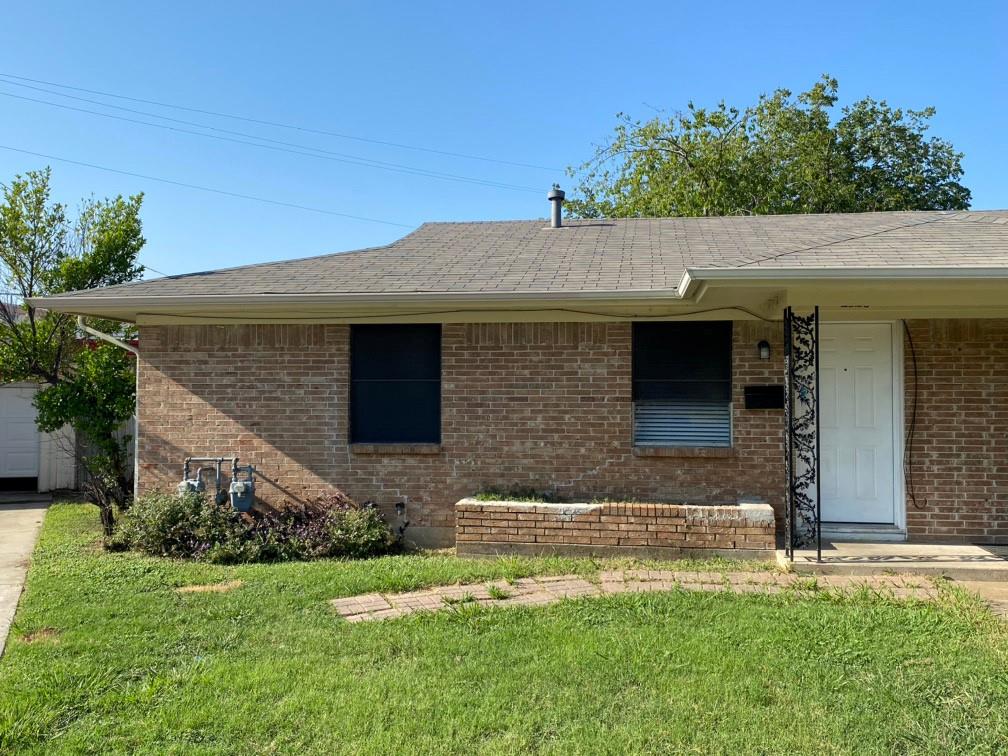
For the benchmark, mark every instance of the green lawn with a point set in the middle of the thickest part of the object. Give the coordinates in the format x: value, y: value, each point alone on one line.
x: 130, y: 665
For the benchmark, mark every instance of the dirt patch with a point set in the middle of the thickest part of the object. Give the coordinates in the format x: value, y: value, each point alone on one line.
x: 227, y: 585
x: 42, y: 634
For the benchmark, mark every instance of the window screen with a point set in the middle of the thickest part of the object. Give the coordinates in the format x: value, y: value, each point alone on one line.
x: 682, y: 383
x: 395, y: 384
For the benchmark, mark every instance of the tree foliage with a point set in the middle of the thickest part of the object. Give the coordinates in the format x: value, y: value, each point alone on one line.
x: 88, y: 386
x: 785, y: 154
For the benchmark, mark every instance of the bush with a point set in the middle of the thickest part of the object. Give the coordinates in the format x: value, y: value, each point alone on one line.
x: 191, y: 526
x: 329, y: 526
x: 176, y: 526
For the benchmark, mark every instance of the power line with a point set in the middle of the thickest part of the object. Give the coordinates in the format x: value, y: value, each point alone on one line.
x: 279, y: 125
x: 206, y: 188
x: 350, y: 160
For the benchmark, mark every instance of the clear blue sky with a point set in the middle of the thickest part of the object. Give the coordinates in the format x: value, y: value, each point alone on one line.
x: 536, y: 83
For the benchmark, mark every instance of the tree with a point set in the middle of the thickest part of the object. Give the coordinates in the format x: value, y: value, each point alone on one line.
x: 782, y: 155
x: 89, y: 386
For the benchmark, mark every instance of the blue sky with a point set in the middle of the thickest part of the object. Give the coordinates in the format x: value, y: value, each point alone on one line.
x: 535, y: 83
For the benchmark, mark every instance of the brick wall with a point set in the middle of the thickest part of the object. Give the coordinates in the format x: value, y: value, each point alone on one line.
x: 546, y: 405
x: 647, y: 529
x: 960, y: 450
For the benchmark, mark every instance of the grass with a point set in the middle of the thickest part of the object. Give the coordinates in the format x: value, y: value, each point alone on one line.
x: 497, y: 593
x: 519, y: 494
x: 107, y: 656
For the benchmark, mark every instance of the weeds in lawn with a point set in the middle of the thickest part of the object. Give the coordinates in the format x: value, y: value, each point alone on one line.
x: 497, y: 593
x: 805, y: 584
x: 465, y: 598
x: 42, y: 634
x: 227, y: 585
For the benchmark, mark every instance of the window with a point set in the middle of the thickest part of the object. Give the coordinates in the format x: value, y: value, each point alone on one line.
x: 395, y: 384
x: 682, y: 383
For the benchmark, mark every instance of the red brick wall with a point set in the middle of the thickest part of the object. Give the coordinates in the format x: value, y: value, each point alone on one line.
x: 960, y: 449
x: 548, y: 405
x: 545, y: 405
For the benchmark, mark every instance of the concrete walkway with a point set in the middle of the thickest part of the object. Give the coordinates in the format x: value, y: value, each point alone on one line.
x: 19, y: 528
x: 548, y: 590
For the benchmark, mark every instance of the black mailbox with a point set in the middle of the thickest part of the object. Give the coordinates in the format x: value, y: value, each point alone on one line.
x: 764, y: 397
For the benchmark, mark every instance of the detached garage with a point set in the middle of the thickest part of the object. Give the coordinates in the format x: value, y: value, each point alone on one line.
x: 32, y: 461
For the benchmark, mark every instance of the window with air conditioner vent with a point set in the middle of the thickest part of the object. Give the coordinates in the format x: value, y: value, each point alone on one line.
x: 682, y: 383
x: 395, y: 384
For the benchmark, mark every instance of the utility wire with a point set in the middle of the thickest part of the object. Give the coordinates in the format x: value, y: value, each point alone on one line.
x: 303, y: 150
x: 206, y: 188
x: 279, y: 125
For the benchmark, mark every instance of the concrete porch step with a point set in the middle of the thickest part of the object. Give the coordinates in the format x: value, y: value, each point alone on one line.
x: 856, y: 531
x: 954, y: 561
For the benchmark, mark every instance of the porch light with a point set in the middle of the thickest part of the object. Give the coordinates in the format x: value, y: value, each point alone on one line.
x: 764, y: 350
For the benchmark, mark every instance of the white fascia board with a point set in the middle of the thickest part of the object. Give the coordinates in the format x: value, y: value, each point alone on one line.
x: 692, y: 276
x: 127, y: 307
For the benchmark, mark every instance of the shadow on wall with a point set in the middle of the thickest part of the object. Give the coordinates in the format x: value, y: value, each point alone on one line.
x: 158, y: 475
x: 270, y: 395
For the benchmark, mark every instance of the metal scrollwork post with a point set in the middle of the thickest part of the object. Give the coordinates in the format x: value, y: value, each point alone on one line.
x: 802, y: 516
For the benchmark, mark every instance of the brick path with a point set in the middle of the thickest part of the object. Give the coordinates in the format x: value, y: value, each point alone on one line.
x: 547, y: 590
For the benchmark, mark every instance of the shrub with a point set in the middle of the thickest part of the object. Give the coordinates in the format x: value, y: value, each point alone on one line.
x: 190, y: 526
x: 176, y: 526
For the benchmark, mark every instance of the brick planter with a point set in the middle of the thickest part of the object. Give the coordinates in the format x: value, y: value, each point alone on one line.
x: 744, y: 530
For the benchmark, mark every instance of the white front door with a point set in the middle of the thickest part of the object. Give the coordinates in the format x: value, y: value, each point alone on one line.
x: 19, y: 436
x: 857, y: 439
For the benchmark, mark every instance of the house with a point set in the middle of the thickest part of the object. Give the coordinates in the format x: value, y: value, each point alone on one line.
x: 678, y: 361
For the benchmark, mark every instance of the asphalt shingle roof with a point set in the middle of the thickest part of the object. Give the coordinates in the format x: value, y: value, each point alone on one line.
x: 609, y: 255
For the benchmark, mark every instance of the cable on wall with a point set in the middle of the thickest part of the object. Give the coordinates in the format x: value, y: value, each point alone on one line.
x: 424, y: 313
x: 908, y: 475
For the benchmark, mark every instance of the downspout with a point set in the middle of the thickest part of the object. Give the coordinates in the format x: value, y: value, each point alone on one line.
x: 106, y: 336
x: 136, y: 412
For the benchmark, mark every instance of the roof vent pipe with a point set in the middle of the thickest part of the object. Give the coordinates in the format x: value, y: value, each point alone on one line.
x: 556, y: 198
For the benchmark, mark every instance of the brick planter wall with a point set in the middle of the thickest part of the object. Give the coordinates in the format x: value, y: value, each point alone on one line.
x: 654, y: 530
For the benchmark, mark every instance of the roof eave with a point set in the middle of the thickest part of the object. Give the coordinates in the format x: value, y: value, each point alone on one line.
x: 127, y: 308
x: 693, y: 277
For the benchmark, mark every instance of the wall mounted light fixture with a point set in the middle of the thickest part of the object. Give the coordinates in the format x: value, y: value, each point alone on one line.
x: 764, y: 350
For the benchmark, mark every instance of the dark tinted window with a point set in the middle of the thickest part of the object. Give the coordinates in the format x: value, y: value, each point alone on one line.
x: 395, y: 384
x: 682, y: 383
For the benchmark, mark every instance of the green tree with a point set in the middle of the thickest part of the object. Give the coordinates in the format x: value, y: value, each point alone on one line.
x: 89, y: 386
x: 785, y: 154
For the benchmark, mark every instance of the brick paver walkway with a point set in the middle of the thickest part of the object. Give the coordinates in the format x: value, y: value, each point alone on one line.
x: 547, y: 590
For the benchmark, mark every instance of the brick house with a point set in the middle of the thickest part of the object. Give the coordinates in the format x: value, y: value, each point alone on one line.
x: 626, y: 360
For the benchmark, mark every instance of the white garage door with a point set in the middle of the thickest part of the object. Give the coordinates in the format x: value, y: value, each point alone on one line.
x: 19, y: 436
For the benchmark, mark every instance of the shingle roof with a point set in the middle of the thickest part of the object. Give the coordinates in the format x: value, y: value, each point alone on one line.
x: 609, y: 255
